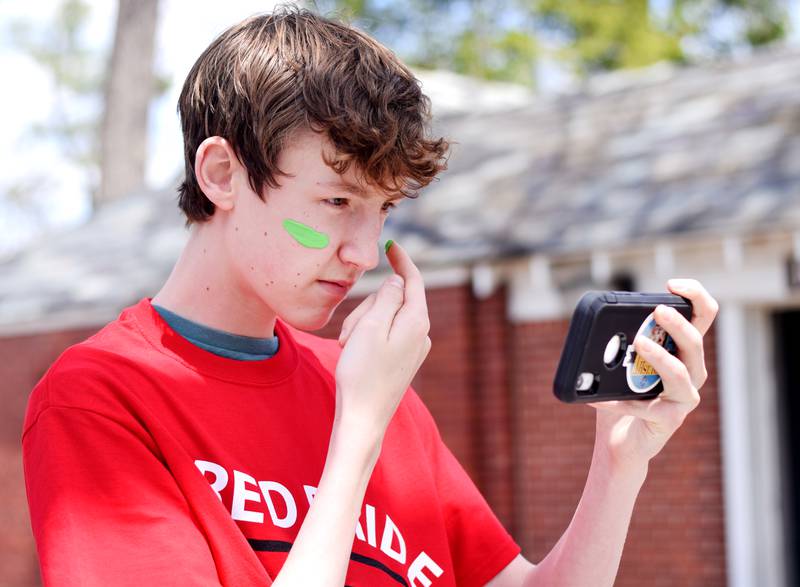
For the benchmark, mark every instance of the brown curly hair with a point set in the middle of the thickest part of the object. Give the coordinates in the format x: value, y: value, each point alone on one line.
x: 275, y: 74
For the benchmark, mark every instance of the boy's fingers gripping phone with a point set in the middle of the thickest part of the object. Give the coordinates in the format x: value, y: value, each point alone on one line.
x: 599, y: 361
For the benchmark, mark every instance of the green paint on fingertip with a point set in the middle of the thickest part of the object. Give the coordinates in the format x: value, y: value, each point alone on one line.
x: 388, y: 244
x: 305, y: 235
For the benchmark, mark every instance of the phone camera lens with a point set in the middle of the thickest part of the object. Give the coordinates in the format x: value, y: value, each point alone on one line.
x: 615, y: 350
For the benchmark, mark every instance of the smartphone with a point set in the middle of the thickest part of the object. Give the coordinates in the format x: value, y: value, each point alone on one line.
x: 598, y: 362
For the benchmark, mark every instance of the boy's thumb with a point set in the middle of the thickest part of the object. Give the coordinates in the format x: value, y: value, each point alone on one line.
x: 389, y: 298
x: 396, y: 281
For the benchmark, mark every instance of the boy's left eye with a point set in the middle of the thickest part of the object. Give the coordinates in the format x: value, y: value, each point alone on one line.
x: 342, y: 202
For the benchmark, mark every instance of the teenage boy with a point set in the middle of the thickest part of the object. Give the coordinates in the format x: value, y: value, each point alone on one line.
x: 203, y: 438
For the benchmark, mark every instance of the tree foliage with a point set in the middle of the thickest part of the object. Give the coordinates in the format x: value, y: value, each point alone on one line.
x: 619, y: 35
x: 503, y: 40
x: 484, y: 38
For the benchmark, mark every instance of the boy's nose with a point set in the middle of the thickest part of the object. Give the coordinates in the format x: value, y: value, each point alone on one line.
x: 360, y: 247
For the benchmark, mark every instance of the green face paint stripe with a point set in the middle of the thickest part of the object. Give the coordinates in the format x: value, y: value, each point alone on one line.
x: 305, y: 235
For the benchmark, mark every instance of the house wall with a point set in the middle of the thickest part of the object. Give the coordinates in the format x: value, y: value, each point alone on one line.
x: 487, y: 383
x: 24, y: 360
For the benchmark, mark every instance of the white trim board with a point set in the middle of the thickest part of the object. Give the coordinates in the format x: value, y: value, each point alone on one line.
x: 754, y: 534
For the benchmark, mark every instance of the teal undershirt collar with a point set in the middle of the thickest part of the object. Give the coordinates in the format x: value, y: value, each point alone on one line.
x: 219, y: 342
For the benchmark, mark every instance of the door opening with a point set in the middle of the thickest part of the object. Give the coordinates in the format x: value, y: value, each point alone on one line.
x: 787, y: 370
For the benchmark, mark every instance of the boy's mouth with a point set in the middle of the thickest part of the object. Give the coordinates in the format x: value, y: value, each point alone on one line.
x: 342, y: 282
x: 336, y: 287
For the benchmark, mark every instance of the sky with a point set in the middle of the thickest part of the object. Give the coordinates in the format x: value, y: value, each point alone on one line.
x: 183, y: 33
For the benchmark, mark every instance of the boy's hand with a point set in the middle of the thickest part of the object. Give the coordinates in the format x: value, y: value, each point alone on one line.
x: 385, y: 341
x: 632, y: 432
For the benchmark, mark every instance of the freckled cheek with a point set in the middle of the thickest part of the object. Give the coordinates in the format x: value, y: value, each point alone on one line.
x: 283, y: 263
x: 289, y: 267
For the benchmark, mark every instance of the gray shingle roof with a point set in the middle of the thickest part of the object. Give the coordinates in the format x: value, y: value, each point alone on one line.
x: 630, y: 157
x: 87, y: 274
x: 657, y: 153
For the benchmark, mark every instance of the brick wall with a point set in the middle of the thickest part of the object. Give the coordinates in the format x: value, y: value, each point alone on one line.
x: 24, y: 360
x: 677, y: 534
x: 552, y: 441
x: 488, y: 385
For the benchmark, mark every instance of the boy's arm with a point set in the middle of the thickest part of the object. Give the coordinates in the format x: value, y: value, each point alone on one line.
x: 589, y: 551
x: 628, y: 435
x: 385, y: 341
x: 320, y: 554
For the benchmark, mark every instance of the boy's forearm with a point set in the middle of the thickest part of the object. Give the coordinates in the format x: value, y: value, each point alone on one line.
x: 320, y: 554
x: 589, y: 551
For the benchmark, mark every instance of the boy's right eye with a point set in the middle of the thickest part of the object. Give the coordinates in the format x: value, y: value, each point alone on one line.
x: 337, y: 202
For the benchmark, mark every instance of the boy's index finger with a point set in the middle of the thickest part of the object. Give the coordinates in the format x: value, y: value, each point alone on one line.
x: 404, y: 266
x: 704, y: 307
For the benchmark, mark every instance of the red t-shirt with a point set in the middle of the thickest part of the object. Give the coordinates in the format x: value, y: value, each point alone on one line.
x: 151, y: 461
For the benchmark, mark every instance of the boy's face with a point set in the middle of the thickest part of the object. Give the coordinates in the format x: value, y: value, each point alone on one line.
x: 313, y: 230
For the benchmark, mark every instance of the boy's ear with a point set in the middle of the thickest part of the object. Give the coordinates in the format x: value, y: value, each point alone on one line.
x: 214, y: 166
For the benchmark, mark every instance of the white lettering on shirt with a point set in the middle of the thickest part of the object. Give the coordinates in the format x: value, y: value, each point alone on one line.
x: 415, y: 571
x: 267, y: 487
x: 360, y: 532
x: 392, y: 544
x: 311, y: 491
x: 370, y: 515
x: 390, y: 532
x: 241, y: 495
x: 220, y: 475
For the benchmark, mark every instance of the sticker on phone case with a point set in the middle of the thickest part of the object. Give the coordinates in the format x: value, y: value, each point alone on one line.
x: 641, y: 375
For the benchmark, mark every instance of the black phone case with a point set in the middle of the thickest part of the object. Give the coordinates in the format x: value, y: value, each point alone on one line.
x: 599, y: 316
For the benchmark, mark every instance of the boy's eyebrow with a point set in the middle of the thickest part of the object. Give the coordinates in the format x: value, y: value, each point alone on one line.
x: 354, y: 189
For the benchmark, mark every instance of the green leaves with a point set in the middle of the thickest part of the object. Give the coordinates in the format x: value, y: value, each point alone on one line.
x: 609, y: 35
x: 503, y: 40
